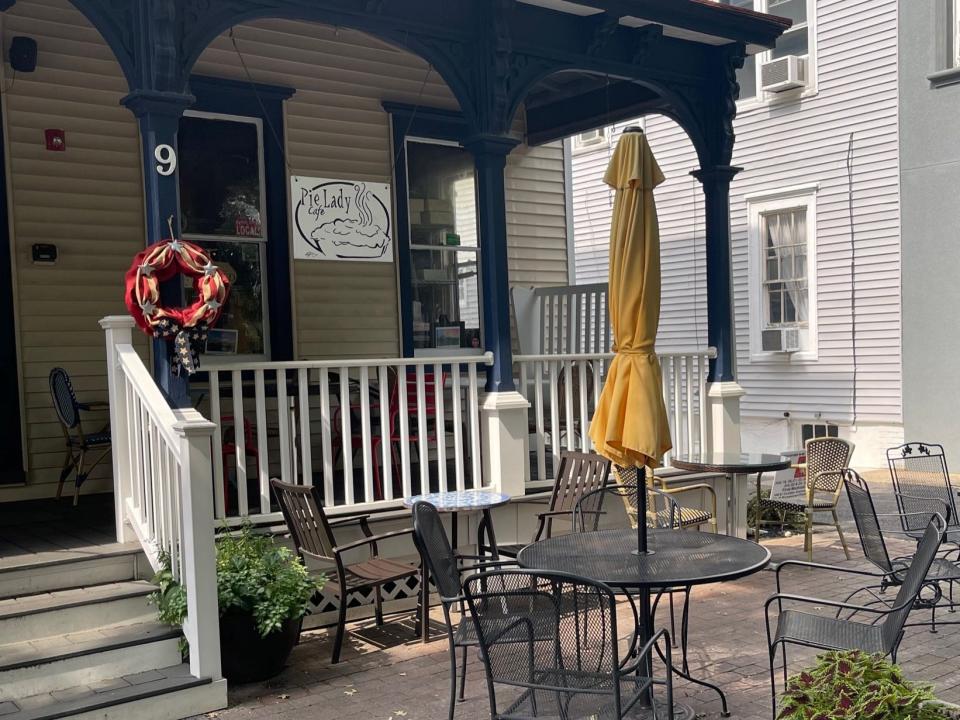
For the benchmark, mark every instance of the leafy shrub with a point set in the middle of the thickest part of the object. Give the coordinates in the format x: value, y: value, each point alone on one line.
x: 255, y: 574
x: 858, y: 686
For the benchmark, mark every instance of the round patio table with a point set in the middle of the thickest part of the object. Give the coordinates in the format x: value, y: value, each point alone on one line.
x: 677, y: 558
x: 736, y: 466
x: 454, y: 503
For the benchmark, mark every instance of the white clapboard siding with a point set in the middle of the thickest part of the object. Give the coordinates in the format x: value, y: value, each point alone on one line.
x: 794, y: 144
x: 336, y: 128
x: 88, y: 201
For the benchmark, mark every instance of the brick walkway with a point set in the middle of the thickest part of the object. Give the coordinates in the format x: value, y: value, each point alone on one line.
x: 385, y: 674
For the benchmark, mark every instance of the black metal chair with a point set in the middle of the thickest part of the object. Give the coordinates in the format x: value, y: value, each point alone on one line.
x: 447, y: 572
x: 312, y: 534
x: 922, y: 484
x: 573, y: 671
x: 579, y: 474
x: 882, y: 635
x: 893, y: 568
x: 78, y: 442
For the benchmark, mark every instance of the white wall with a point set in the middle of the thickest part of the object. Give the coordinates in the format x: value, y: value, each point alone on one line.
x: 800, y: 142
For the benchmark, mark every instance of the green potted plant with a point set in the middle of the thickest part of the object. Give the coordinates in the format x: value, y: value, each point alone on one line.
x: 264, y: 591
x: 858, y: 686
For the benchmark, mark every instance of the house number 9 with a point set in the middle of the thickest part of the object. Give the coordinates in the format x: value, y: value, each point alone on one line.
x: 166, y: 159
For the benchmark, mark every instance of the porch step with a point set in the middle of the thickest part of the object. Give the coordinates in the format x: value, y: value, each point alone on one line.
x: 60, y: 662
x: 57, y: 613
x: 32, y: 573
x: 167, y: 693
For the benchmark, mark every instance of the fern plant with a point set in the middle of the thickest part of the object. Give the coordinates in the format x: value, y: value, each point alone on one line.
x: 857, y: 686
x: 255, y: 574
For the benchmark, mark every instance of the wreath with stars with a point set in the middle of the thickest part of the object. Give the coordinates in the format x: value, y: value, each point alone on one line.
x: 187, y: 326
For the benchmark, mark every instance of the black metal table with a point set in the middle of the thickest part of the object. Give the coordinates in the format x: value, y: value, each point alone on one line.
x: 736, y: 466
x: 675, y: 558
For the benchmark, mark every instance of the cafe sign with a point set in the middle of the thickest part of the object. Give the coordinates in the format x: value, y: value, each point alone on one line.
x: 341, y: 220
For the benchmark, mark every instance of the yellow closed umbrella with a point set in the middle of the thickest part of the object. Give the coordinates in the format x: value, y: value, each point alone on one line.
x: 630, y: 425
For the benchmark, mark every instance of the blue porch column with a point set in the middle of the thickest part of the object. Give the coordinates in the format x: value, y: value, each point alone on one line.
x: 720, y: 329
x: 490, y: 153
x: 723, y: 392
x: 158, y: 114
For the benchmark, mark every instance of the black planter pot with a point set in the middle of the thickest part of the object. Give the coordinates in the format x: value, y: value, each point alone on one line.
x: 247, y: 657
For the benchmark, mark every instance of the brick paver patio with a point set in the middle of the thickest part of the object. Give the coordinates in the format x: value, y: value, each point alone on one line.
x: 386, y: 674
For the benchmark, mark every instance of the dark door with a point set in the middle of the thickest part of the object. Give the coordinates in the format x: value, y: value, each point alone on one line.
x: 11, y: 448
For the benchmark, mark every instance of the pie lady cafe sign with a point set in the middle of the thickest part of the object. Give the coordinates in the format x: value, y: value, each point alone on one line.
x: 340, y: 220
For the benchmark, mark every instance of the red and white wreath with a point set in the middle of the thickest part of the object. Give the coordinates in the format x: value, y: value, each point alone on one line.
x: 187, y: 325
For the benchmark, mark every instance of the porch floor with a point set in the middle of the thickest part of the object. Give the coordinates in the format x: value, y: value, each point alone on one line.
x: 35, y: 530
x: 387, y: 674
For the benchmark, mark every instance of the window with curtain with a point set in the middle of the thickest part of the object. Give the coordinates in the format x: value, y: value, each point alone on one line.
x: 785, y: 293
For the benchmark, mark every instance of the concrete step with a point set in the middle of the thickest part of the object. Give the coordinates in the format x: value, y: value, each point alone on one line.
x: 43, y: 615
x: 60, y: 569
x: 168, y: 693
x: 60, y: 662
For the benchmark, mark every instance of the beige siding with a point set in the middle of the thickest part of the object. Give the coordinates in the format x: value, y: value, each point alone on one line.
x: 87, y: 200
x: 335, y: 127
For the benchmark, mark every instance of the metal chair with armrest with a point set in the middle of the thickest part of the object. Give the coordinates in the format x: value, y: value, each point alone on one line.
x: 881, y: 636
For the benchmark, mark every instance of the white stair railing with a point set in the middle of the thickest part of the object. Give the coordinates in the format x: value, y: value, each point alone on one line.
x: 563, y: 389
x: 367, y: 432
x: 162, y: 479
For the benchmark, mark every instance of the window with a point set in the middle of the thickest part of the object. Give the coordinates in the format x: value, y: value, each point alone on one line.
x: 783, y: 274
x: 784, y: 237
x: 222, y: 210
x: 444, y: 254
x: 795, y: 41
x: 591, y: 138
x: 953, y: 22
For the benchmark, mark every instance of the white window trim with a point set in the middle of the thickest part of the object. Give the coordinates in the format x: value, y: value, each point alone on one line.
x: 954, y: 20
x: 804, y: 196
x: 261, y: 241
x: 811, y: 89
x: 603, y: 141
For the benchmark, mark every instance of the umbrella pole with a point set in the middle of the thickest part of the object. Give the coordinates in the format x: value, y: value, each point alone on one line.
x: 642, y: 510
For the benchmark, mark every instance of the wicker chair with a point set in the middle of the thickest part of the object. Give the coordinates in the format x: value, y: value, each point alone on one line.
x: 882, y: 635
x: 921, y: 482
x: 446, y: 570
x: 688, y: 517
x: 826, y: 457
x: 578, y: 475
x: 312, y: 535
x: 893, y: 569
x: 573, y: 671
x: 77, y: 441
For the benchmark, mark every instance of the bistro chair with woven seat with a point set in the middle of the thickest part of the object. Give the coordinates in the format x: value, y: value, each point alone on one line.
x: 893, y: 569
x: 446, y: 570
x: 312, y: 534
x: 881, y: 635
x: 78, y: 443
x: 550, y: 648
x: 579, y: 474
x: 921, y: 482
x: 826, y: 457
x: 699, y: 512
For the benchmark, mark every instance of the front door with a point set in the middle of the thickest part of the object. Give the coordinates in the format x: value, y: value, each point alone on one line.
x: 11, y: 445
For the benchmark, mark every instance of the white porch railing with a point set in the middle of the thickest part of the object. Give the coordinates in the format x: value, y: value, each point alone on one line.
x: 563, y: 389
x: 161, y: 470
x: 366, y: 432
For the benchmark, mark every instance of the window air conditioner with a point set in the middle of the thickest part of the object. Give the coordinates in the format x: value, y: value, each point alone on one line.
x: 784, y: 73
x: 592, y: 137
x: 782, y: 340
